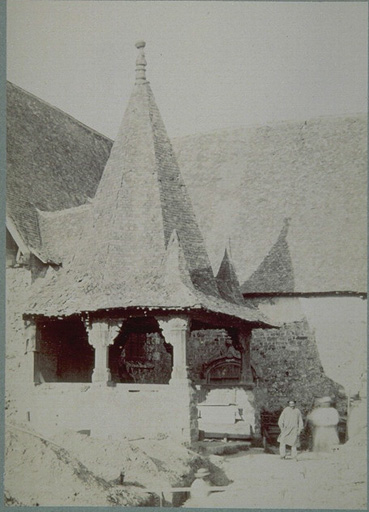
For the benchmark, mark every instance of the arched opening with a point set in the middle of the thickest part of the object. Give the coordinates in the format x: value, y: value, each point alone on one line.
x: 140, y: 354
x: 64, y: 352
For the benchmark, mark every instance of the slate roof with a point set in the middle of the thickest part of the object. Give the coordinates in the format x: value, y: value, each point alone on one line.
x: 275, y: 272
x: 227, y: 281
x: 245, y: 182
x: 242, y: 184
x: 136, y: 244
x: 53, y: 162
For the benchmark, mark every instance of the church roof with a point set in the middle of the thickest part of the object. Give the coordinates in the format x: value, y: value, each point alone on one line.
x: 244, y: 182
x: 139, y: 244
x: 275, y: 272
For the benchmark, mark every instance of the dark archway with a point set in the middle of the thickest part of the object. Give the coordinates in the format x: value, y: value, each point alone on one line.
x: 64, y: 352
x: 140, y: 354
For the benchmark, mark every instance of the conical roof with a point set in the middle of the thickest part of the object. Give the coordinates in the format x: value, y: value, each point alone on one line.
x: 275, y: 273
x: 140, y: 200
x: 141, y: 245
x: 227, y: 281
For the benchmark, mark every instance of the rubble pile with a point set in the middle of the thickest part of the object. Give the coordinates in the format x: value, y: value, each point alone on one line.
x: 74, y: 469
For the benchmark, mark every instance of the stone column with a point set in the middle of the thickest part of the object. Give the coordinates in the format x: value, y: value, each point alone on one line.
x: 175, y: 331
x: 101, y: 334
x: 183, y: 399
x: 244, y: 339
x: 31, y: 352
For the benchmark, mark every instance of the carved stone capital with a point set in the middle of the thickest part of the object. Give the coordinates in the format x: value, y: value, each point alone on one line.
x: 175, y: 330
x: 102, y: 333
x: 169, y: 325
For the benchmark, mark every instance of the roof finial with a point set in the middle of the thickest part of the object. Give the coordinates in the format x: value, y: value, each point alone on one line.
x: 286, y: 225
x: 140, y: 63
x: 229, y: 247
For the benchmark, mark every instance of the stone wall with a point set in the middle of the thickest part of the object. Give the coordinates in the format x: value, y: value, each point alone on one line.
x: 204, y: 346
x: 288, y: 364
x: 18, y: 281
x: 336, y: 338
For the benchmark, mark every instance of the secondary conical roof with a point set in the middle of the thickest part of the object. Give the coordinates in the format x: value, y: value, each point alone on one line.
x: 228, y: 284
x: 275, y: 273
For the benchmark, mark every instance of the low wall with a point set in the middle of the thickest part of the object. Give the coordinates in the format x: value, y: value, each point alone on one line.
x: 122, y: 411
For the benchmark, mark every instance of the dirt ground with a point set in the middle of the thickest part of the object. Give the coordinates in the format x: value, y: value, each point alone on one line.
x: 77, y: 470
x: 329, y: 481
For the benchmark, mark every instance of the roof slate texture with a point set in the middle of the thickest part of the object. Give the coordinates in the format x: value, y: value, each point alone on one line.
x: 275, y: 273
x: 245, y: 182
x: 53, y: 161
x: 227, y: 281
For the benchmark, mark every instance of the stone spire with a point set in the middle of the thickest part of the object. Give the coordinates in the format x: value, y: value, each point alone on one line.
x: 275, y: 273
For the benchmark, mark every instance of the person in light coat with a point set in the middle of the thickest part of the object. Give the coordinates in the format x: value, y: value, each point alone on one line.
x: 291, y: 424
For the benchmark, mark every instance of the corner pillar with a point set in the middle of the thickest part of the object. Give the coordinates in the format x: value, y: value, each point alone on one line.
x: 32, y: 352
x: 244, y: 340
x: 183, y: 401
x: 176, y: 331
x: 101, y: 334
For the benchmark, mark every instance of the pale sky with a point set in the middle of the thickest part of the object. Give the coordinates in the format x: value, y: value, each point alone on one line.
x: 211, y: 65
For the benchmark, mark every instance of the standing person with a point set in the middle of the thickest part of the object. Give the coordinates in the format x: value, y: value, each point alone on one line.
x: 291, y: 424
x: 324, y: 419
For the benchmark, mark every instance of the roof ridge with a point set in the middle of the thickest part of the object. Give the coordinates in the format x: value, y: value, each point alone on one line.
x: 177, y: 209
x: 269, y: 124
